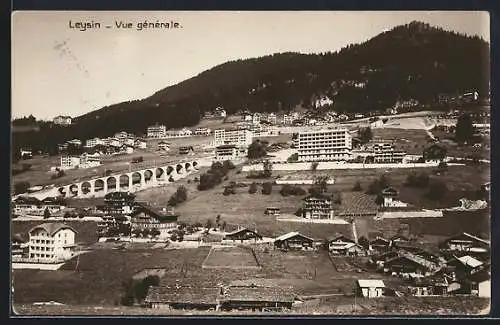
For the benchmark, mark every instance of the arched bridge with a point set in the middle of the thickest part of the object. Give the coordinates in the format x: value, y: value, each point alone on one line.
x: 128, y: 181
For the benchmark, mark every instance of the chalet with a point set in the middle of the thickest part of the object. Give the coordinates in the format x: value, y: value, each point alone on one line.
x: 371, y: 288
x: 27, y: 205
x: 127, y: 149
x: 390, y: 196
x: 318, y: 207
x: 272, y: 211
x: 163, y: 145
x: 185, y: 150
x: 257, y: 298
x: 243, y: 234
x: 294, y: 241
x: 341, y: 245
x: 182, y: 297
x: 380, y: 244
x: 466, y: 242
x: 479, y: 284
x: 434, y: 153
x: 408, y: 264
x: 465, y: 266
x: 380, y: 259
x: 432, y: 285
x: 147, y: 217
x: 62, y: 120
x: 399, y: 239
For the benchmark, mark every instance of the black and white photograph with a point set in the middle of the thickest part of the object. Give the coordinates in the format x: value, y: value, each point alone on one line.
x: 250, y: 163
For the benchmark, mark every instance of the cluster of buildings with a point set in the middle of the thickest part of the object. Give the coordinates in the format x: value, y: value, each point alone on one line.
x: 160, y: 132
x: 31, y: 206
x: 217, y: 113
x: 63, y: 120
x: 379, y: 153
x: 119, y: 141
x: 85, y: 160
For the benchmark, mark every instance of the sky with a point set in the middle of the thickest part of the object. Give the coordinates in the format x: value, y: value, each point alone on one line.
x: 60, y: 70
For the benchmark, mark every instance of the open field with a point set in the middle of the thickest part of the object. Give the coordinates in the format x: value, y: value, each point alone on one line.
x: 85, y: 230
x: 101, y: 272
x: 231, y: 257
x: 438, y: 306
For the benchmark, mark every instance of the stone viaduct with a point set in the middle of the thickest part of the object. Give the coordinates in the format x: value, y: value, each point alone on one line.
x: 128, y: 181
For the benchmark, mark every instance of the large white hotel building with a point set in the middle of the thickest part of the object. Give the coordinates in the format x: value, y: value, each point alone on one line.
x: 237, y: 137
x: 333, y: 144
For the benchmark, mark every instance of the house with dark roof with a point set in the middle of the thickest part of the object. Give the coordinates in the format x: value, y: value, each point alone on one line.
x: 294, y: 241
x: 274, y: 298
x: 51, y: 242
x: 183, y: 297
x: 409, y: 264
x: 380, y: 244
x: 465, y: 266
x: 243, y: 234
x: 145, y: 216
x: 357, y: 204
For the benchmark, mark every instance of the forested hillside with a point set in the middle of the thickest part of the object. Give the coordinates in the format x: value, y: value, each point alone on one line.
x: 413, y: 61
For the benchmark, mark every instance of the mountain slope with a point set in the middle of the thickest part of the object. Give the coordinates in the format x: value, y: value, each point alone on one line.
x: 410, y: 61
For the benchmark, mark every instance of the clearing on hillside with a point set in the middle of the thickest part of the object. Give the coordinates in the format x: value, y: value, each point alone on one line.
x: 232, y: 258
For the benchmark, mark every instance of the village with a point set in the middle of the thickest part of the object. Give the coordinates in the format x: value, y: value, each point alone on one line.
x: 333, y: 224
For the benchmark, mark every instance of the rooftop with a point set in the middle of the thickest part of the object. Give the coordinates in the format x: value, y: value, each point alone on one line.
x: 52, y: 228
x: 371, y: 283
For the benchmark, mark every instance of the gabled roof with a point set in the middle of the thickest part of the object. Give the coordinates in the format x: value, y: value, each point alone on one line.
x: 389, y: 191
x: 380, y: 240
x: 273, y: 294
x: 183, y: 295
x: 291, y: 235
x: 243, y: 230
x: 52, y: 228
x: 152, y: 211
x: 371, y: 283
x: 465, y: 234
x: 27, y: 200
x: 469, y: 261
x: 337, y: 236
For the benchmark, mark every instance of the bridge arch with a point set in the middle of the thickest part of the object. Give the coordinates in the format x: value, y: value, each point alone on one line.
x: 187, y: 166
x: 86, y: 187
x: 148, y: 175
x: 111, y: 184
x: 170, y: 169
x: 98, y: 185
x: 124, y: 182
x: 178, y: 168
x: 73, y: 190
x: 160, y: 174
x: 136, y: 178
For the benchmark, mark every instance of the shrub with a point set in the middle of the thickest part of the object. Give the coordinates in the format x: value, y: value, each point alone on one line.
x: 357, y: 187
x: 21, y: 187
x: 253, y: 188
x: 267, y: 188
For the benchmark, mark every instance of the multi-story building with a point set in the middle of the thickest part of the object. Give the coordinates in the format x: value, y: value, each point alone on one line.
x: 256, y: 118
x: 179, y: 133
x: 238, y: 137
x: 156, y: 131
x: 325, y: 145
x: 62, y: 120
x: 230, y: 152
x: 386, y: 153
x: 287, y: 119
x: 90, y: 143
x: 202, y: 131
x: 271, y: 118
x: 85, y: 160
x: 318, y: 207
x: 69, y: 162
x: 51, y: 242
